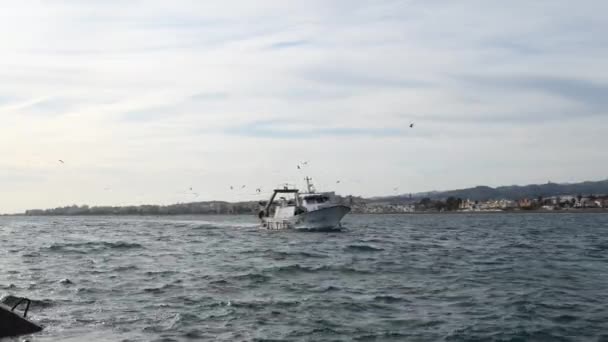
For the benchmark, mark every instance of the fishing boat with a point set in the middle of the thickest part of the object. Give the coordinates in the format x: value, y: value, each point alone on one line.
x: 308, y: 210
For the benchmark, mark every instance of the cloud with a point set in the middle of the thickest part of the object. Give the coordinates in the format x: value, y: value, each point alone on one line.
x: 582, y: 91
x: 46, y: 107
x: 352, y: 79
x: 153, y: 94
x: 514, y: 45
x: 51, y: 106
x: 282, y: 129
x: 7, y: 100
x: 176, y: 108
x: 151, y: 113
x: 208, y: 96
x: 288, y: 44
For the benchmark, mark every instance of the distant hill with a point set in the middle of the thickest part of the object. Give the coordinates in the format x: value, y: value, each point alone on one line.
x: 513, y: 192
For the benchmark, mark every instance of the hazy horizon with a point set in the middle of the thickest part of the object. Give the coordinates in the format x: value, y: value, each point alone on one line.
x: 142, y: 101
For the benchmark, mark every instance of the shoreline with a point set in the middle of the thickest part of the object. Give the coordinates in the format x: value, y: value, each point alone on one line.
x: 488, y: 212
x: 514, y: 212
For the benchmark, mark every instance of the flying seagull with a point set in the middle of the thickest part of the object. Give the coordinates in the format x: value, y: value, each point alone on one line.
x: 412, y: 125
x: 243, y: 187
x: 299, y: 167
x: 337, y: 182
x: 61, y: 161
x: 258, y: 190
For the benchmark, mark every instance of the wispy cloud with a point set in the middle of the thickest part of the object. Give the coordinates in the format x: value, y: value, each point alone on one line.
x: 188, y: 105
x: 150, y: 113
x: 282, y: 129
x: 288, y: 44
x: 586, y: 92
x: 209, y: 96
x: 357, y: 78
x: 49, y: 107
x: 6, y: 99
x: 514, y: 45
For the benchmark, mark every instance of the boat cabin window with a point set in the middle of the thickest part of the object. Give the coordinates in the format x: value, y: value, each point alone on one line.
x: 286, y: 202
x: 316, y: 199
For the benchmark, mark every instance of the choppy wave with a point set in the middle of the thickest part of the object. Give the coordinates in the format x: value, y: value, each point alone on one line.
x: 128, y: 268
x: 282, y: 254
x: 162, y: 289
x: 390, y: 299
x: 297, y: 268
x: 222, y: 225
x: 362, y: 248
x: 92, y: 246
x: 250, y: 277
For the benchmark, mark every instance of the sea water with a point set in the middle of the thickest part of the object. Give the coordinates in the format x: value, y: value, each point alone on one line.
x: 444, y: 277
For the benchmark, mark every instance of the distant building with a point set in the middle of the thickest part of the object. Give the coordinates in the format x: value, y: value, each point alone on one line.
x: 525, y: 203
x: 469, y: 205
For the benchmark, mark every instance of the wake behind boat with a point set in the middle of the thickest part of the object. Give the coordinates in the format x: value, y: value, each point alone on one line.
x: 307, y: 211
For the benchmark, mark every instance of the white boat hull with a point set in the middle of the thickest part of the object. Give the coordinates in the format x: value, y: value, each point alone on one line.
x: 321, y: 219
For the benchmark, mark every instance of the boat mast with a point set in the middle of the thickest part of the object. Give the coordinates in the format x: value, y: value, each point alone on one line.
x: 309, y: 185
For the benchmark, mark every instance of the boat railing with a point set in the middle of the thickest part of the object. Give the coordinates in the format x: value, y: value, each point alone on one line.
x: 27, y: 306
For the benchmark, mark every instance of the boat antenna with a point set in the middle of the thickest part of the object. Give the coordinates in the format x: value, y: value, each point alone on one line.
x: 309, y: 185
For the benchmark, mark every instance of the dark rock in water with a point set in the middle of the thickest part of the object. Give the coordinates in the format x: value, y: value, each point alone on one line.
x: 12, y: 324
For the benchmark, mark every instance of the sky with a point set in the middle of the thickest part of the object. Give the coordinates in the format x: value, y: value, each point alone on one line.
x: 143, y: 100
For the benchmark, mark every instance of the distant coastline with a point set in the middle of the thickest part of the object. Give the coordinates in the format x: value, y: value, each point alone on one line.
x: 514, y: 212
x: 450, y: 206
x: 584, y: 197
x: 509, y: 212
